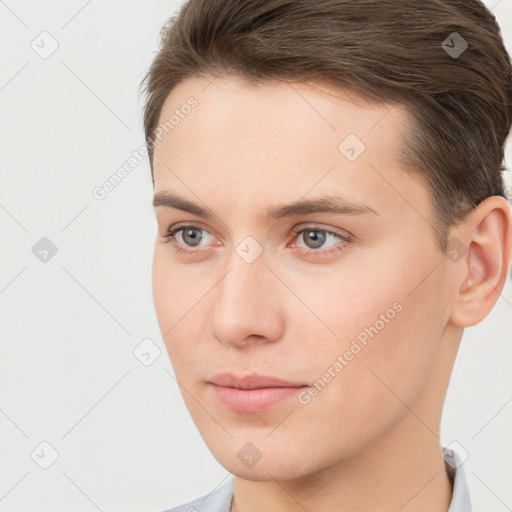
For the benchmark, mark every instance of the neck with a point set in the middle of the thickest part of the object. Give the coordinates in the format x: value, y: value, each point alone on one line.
x: 401, y: 471
x: 406, y: 478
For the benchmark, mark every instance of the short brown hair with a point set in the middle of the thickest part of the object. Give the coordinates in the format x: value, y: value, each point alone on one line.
x: 386, y: 51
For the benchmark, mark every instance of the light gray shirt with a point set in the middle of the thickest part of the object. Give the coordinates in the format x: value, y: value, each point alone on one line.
x: 220, y: 500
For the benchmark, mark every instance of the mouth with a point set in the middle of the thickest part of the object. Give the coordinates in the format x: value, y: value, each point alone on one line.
x: 252, y: 393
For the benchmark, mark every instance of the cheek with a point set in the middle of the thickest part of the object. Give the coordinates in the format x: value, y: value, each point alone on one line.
x: 386, y: 334
x: 170, y: 300
x: 391, y: 299
x: 163, y: 290
x: 179, y: 298
x: 175, y: 290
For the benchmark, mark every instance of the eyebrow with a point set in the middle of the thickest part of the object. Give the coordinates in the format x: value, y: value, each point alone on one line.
x: 329, y: 204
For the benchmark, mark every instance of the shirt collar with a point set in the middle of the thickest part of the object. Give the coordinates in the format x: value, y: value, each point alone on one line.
x: 461, y: 501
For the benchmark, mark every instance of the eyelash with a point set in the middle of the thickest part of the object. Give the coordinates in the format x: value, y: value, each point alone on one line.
x: 171, y: 238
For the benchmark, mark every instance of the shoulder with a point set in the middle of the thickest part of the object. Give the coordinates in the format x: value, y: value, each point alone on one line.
x: 218, y: 500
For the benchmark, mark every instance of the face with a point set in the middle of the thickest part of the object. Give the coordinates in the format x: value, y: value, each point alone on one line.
x: 348, y: 305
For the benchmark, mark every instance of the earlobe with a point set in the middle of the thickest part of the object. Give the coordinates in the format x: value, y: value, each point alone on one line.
x: 486, y: 263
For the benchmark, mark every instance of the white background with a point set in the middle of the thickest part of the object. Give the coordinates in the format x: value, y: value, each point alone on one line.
x: 68, y: 375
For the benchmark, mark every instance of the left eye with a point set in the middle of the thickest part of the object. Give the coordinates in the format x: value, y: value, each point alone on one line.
x: 313, y: 237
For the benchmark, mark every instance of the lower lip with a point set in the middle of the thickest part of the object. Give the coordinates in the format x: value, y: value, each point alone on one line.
x: 252, y: 400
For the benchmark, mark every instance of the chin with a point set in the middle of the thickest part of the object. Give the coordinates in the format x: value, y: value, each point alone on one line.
x: 265, y: 460
x: 267, y: 469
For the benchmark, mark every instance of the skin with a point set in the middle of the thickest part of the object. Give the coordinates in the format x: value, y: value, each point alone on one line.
x: 356, y: 444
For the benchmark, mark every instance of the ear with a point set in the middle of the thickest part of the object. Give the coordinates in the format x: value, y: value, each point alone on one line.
x: 484, y: 246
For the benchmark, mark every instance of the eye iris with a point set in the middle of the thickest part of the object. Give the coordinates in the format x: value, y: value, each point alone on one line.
x: 312, y: 236
x: 192, y: 233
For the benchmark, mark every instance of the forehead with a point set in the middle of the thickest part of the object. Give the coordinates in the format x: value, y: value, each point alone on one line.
x: 276, y: 110
x: 289, y: 138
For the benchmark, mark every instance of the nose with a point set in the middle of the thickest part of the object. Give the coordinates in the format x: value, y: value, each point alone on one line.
x: 248, y: 305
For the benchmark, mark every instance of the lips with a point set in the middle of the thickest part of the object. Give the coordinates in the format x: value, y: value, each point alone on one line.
x: 252, y: 381
x: 252, y: 393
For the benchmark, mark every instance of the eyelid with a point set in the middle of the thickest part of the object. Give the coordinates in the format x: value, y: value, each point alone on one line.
x: 175, y: 228
x: 298, y: 228
x: 317, y: 227
x: 181, y: 225
x: 348, y: 237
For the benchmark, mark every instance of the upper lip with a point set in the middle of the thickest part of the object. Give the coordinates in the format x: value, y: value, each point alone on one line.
x: 252, y: 381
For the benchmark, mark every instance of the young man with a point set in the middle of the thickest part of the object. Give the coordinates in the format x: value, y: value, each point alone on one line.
x: 331, y: 216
